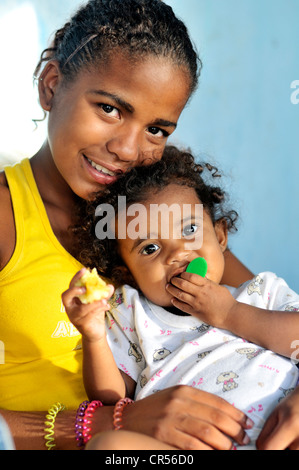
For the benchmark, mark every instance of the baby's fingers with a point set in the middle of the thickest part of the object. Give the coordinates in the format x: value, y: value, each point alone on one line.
x: 70, y: 297
x: 179, y: 294
x: 77, y: 276
x: 111, y: 292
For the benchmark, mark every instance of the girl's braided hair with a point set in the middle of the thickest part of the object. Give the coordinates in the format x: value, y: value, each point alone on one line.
x: 138, y: 27
x: 176, y: 167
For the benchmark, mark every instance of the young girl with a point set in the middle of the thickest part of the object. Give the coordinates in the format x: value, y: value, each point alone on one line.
x: 113, y: 84
x: 154, y: 344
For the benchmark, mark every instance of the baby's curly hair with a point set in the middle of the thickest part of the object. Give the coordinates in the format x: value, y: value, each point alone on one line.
x: 176, y: 167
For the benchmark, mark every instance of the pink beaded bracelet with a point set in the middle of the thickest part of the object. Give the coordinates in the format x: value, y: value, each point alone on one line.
x: 88, y: 419
x: 118, y: 412
x: 79, y: 423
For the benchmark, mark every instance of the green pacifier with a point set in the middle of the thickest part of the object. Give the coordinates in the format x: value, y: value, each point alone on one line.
x: 198, y: 266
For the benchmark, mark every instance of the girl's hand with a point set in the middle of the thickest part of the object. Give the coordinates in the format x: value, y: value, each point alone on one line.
x: 188, y: 419
x: 89, y: 319
x: 202, y: 298
x: 281, y: 430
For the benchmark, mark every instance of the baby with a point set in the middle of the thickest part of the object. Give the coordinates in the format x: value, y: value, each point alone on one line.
x: 165, y: 326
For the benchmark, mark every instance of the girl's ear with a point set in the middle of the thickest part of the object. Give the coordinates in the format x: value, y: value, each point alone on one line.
x: 221, y: 233
x: 47, y: 84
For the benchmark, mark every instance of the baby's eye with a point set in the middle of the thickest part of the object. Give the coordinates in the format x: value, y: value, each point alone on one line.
x: 150, y: 249
x: 189, y: 230
x: 157, y: 132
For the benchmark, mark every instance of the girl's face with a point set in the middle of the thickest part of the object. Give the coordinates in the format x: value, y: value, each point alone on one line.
x: 155, y: 257
x: 112, y: 118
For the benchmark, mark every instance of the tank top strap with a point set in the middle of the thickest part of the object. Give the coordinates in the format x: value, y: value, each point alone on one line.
x: 31, y: 220
x: 25, y: 196
x: 23, y: 190
x: 22, y: 204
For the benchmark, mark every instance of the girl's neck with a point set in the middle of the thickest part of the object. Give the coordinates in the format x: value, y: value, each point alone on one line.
x: 52, y: 187
x: 59, y: 200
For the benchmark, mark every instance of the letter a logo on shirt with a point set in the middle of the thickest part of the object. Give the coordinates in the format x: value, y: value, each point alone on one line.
x: 65, y: 329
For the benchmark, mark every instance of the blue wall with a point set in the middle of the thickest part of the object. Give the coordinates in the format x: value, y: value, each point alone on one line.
x: 241, y: 117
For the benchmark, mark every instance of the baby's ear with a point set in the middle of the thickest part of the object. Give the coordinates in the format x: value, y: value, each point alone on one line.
x: 221, y: 233
x: 123, y: 276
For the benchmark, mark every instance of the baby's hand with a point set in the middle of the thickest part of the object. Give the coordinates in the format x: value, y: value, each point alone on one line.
x: 210, y: 302
x: 89, y: 319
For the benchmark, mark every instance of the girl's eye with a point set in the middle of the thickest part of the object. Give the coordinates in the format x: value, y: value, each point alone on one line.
x: 189, y: 230
x: 150, y: 249
x: 156, y: 131
x: 108, y: 109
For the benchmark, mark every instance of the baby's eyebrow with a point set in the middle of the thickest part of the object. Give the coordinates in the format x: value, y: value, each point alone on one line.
x: 155, y: 236
x: 136, y: 243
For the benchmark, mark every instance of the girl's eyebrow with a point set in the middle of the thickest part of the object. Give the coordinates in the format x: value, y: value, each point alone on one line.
x: 128, y: 107
x: 124, y: 104
x: 164, y: 123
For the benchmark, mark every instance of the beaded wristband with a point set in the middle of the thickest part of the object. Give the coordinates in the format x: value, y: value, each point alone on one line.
x: 50, y: 421
x: 118, y: 412
x: 79, y: 423
x: 88, y: 419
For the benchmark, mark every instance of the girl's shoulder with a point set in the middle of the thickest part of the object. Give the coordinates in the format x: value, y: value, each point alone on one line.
x: 7, y: 226
x: 3, y: 181
x: 4, y: 194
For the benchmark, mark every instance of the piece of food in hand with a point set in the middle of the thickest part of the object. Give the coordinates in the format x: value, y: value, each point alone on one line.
x: 198, y: 266
x: 96, y: 288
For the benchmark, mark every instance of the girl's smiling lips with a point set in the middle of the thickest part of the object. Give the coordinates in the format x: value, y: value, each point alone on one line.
x: 102, y: 174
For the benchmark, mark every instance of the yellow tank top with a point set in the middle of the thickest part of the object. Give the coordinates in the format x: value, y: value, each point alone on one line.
x: 40, y: 350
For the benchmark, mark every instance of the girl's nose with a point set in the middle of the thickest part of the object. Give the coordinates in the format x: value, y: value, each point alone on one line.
x: 125, y: 146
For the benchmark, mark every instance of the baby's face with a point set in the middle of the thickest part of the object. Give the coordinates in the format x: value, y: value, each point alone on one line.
x: 158, y: 248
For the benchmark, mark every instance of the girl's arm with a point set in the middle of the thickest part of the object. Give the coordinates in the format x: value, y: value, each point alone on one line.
x: 235, y: 273
x: 281, y: 430
x: 28, y: 432
x: 181, y: 416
